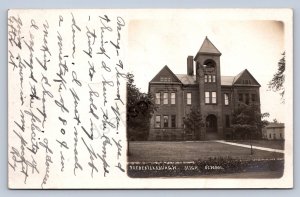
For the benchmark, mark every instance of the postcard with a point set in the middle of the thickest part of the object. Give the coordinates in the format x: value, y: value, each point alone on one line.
x: 150, y: 98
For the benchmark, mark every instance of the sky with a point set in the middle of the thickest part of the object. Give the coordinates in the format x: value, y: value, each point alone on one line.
x: 254, y: 45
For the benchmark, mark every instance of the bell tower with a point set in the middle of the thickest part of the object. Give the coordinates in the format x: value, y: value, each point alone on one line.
x: 208, y: 76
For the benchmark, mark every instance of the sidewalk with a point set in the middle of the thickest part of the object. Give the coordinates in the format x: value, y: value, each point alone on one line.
x: 248, y: 146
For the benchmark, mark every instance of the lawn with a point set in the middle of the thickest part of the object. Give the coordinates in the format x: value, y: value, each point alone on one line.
x: 275, y: 144
x: 247, y: 175
x: 152, y: 151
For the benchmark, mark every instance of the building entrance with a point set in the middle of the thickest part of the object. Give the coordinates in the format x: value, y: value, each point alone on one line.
x: 211, y: 127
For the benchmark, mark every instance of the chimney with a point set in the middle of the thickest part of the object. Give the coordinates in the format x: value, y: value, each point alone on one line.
x: 190, y: 65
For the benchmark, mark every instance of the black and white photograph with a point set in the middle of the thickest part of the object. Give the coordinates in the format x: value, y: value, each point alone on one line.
x: 207, y: 98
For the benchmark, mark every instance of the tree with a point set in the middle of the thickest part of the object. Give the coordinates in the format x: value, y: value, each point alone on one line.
x: 248, y: 122
x: 140, y: 108
x: 276, y: 84
x: 193, y: 123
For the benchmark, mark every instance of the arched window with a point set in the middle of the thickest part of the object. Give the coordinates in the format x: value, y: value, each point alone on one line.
x: 210, y: 63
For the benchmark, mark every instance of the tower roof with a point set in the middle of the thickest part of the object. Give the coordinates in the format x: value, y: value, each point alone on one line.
x: 208, y: 47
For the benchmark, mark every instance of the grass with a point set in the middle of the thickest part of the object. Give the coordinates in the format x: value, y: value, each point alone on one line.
x: 152, y: 151
x: 275, y: 144
x: 247, y: 175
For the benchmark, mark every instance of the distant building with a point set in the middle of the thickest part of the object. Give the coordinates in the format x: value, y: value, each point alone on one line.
x: 273, y: 131
x: 216, y: 96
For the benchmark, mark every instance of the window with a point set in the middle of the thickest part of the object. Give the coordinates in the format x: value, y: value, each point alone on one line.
x: 166, y: 98
x: 173, y: 98
x: 227, y: 119
x: 166, y: 121
x: 214, y: 78
x: 241, y: 97
x: 157, y: 122
x: 274, y: 136
x: 209, y: 78
x: 226, y: 99
x: 270, y: 136
x: 207, y: 97
x: 253, y: 97
x: 213, y: 97
x: 210, y: 63
x: 157, y: 98
x: 247, y: 99
x: 173, y: 121
x: 189, y: 98
x: 165, y: 79
x: 246, y: 81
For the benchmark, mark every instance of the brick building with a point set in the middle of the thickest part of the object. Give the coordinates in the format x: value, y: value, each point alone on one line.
x: 216, y: 96
x: 273, y: 131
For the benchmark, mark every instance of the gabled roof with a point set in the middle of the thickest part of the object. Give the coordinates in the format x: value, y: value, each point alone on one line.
x: 232, y: 80
x: 207, y: 47
x: 168, y: 70
x: 238, y: 76
x: 241, y: 74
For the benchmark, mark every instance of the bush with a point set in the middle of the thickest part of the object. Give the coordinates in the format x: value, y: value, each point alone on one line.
x: 212, y: 166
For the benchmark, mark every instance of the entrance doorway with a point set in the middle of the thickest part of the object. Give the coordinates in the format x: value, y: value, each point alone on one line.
x: 211, y: 127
